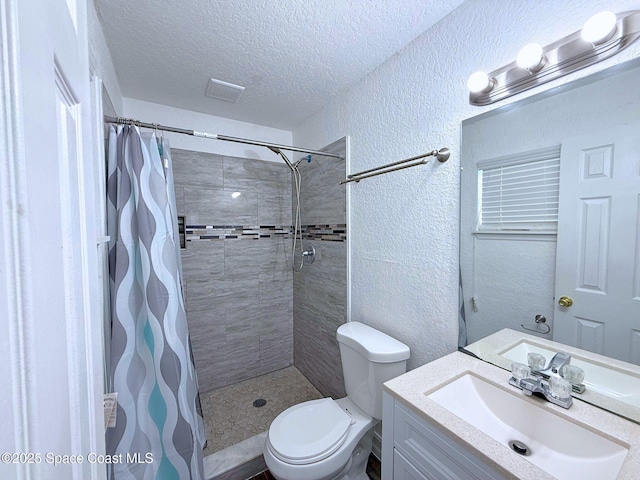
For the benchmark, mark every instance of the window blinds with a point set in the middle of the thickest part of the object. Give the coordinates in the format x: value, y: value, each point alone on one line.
x: 520, y: 193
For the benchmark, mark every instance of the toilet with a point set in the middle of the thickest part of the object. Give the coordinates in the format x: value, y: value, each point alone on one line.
x: 330, y: 439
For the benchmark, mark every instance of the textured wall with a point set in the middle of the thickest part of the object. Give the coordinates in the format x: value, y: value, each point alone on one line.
x: 179, y: 117
x: 236, y: 266
x: 404, y: 225
x: 320, y: 289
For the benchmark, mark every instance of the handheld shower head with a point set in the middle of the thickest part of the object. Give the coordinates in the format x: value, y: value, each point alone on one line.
x: 277, y: 151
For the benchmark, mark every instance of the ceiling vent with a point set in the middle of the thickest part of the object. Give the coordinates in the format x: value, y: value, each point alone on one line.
x: 228, y: 92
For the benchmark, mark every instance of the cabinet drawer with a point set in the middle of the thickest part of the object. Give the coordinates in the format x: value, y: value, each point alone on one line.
x: 403, y: 470
x: 437, y: 456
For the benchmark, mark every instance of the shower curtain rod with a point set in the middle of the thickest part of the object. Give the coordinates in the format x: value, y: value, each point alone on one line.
x: 194, y: 133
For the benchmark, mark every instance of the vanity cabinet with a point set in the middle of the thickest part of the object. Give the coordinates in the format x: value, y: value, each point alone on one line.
x: 413, y: 449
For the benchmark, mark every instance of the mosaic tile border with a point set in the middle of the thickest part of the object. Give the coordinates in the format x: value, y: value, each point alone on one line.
x: 233, y: 232
x: 322, y: 232
x: 328, y: 233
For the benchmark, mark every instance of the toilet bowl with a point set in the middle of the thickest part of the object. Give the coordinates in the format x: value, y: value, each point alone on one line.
x: 330, y: 439
x: 315, y: 439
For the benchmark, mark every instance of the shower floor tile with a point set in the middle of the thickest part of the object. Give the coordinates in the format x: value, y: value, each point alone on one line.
x: 230, y: 416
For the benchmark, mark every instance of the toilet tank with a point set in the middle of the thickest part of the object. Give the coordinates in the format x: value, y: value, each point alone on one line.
x: 369, y: 358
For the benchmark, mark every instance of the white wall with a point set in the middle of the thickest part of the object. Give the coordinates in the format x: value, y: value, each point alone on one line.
x: 100, y: 58
x: 176, y: 117
x: 404, y: 225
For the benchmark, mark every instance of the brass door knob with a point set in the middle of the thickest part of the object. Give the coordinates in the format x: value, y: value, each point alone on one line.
x: 565, y: 301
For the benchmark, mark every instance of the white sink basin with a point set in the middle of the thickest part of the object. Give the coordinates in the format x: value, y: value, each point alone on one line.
x: 603, y: 379
x: 562, y: 448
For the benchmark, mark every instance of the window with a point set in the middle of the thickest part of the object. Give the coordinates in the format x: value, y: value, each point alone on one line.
x: 519, y: 193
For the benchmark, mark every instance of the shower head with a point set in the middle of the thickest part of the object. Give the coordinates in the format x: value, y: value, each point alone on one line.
x: 307, y: 158
x: 277, y: 151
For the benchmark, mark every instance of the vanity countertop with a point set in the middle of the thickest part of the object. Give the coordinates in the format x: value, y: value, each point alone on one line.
x: 412, y: 389
x: 491, y: 348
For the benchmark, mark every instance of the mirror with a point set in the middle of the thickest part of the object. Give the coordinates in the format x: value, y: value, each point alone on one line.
x: 543, y: 247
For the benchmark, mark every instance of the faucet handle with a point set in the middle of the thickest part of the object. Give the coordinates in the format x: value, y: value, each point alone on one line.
x: 572, y: 374
x: 520, y: 371
x: 560, y: 388
x: 536, y: 361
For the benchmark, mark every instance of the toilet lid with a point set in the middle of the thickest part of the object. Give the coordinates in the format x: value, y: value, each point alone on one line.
x: 309, y: 432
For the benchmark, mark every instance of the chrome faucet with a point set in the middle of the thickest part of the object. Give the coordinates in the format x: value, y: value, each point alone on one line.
x: 531, y: 385
x: 545, y: 382
x: 558, y: 361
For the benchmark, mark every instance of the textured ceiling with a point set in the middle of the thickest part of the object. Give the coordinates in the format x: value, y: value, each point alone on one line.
x: 291, y: 55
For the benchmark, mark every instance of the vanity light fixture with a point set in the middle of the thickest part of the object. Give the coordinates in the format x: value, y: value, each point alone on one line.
x: 599, y: 28
x: 531, y: 58
x: 603, y: 36
x: 480, y: 82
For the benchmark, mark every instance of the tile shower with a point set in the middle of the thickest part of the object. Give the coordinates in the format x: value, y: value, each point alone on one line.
x: 249, y: 314
x: 238, y: 283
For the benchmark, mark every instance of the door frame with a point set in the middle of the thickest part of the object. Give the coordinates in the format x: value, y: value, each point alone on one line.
x: 19, y: 352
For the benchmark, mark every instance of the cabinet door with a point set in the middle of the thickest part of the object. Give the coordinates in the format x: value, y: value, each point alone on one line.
x: 434, y: 454
x: 403, y: 470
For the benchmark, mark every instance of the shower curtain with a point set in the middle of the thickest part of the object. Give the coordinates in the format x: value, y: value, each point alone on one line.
x: 159, y: 432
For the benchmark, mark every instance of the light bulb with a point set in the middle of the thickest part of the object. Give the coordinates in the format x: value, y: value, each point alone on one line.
x: 479, y: 82
x: 530, y: 57
x: 235, y: 194
x: 599, y: 28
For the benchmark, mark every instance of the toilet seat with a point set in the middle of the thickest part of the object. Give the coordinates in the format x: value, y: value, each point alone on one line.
x: 309, y: 432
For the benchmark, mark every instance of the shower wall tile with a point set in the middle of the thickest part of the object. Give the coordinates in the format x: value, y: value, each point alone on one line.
x: 277, y: 349
x: 240, y: 288
x: 274, y: 209
x: 217, y: 207
x: 234, y: 361
x: 316, y: 351
x: 180, y: 206
x: 330, y: 262
x: 224, y: 292
x: 324, y: 296
x: 206, y: 325
x: 245, y: 257
x: 277, y: 259
x: 324, y: 197
x: 205, y: 328
x: 238, y: 280
x: 276, y: 188
x: 275, y: 290
x: 203, y: 260
x: 246, y: 173
x: 196, y: 169
x: 320, y: 289
x: 256, y: 320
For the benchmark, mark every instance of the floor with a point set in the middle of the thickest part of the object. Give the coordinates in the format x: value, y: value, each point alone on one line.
x: 230, y: 416
x: 373, y: 471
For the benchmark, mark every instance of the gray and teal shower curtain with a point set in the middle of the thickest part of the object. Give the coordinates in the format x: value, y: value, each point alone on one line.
x: 159, y: 430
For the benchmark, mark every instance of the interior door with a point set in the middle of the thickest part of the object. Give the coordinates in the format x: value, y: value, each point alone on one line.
x: 50, y: 323
x: 597, y: 290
